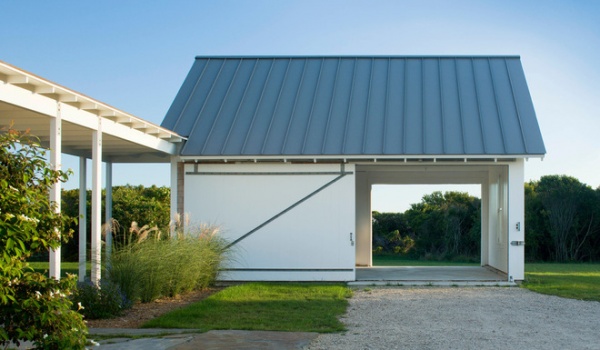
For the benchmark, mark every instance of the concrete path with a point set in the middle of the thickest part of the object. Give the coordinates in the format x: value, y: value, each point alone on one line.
x: 182, y: 339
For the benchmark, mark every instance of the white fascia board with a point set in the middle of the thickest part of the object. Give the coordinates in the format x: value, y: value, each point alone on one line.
x: 362, y: 158
x: 27, y: 100
x: 136, y: 136
x: 47, y: 106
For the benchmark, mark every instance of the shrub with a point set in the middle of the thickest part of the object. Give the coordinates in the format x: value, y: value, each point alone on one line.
x: 149, y: 268
x: 32, y: 307
x: 104, y: 301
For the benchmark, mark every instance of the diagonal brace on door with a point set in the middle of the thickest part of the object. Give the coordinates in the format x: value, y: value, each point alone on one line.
x: 341, y: 175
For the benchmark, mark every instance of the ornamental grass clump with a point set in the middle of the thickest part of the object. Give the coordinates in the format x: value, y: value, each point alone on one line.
x: 153, y: 266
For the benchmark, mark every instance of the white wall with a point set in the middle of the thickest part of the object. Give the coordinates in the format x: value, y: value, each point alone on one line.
x: 516, y: 220
x: 309, y: 242
x: 497, y: 218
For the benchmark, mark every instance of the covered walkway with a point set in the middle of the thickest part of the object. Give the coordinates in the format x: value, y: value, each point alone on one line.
x: 68, y: 122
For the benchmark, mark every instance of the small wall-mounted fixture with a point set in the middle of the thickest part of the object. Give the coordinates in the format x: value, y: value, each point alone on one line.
x: 518, y: 226
x: 351, y: 240
x: 517, y: 243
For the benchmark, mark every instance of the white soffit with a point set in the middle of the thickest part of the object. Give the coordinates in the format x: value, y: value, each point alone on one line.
x: 28, y: 102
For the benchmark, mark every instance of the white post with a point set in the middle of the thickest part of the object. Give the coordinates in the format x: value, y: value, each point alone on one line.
x: 108, y: 212
x: 364, y: 256
x: 516, y: 221
x: 485, y: 217
x: 174, y: 194
x: 55, y: 163
x: 96, y: 202
x: 82, y: 218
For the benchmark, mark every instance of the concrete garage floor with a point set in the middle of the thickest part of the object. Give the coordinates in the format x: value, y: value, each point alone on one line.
x: 430, y: 275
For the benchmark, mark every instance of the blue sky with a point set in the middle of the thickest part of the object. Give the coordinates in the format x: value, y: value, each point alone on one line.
x: 135, y: 54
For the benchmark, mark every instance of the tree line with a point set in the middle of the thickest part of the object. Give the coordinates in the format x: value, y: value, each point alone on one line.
x: 562, y: 223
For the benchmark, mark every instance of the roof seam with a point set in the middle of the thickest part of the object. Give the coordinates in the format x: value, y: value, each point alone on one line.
x: 287, y: 69
x: 443, y: 120
x: 258, y: 104
x: 218, y: 114
x: 367, y: 110
x: 485, y: 150
x: 335, y: 83
x: 516, y: 104
x: 349, y: 103
x: 312, y: 107
x: 386, y: 107
x: 187, y: 102
x: 205, y: 102
x: 293, y: 114
x: 500, y: 124
x: 237, y: 111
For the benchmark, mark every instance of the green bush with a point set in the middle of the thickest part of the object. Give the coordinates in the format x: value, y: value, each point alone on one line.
x: 149, y: 267
x: 32, y: 306
x: 97, y: 302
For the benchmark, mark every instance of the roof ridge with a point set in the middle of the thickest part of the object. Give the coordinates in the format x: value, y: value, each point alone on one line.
x: 354, y: 56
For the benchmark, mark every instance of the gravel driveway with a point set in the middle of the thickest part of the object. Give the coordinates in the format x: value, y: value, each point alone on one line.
x: 464, y: 318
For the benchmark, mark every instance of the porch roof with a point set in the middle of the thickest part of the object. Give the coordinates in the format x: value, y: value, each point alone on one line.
x: 29, y: 102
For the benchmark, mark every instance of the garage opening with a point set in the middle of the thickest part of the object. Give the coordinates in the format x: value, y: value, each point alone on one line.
x: 431, y: 224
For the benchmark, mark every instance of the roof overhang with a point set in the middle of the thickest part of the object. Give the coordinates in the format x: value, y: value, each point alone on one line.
x: 359, y: 158
x: 29, y: 102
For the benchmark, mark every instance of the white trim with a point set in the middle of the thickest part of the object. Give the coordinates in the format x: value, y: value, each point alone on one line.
x: 96, y: 203
x: 108, y: 202
x: 82, y: 218
x: 46, y: 92
x: 459, y: 158
x: 55, y: 195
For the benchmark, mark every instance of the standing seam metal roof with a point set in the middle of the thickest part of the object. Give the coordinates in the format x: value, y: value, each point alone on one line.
x: 292, y: 106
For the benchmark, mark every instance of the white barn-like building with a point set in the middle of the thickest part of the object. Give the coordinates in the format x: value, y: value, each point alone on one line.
x: 282, y: 152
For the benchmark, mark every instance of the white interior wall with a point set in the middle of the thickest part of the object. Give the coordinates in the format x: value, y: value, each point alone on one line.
x: 497, y: 201
x: 494, y: 181
x: 311, y: 241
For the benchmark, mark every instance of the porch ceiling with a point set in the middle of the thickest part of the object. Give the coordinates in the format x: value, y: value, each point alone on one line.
x: 29, y: 102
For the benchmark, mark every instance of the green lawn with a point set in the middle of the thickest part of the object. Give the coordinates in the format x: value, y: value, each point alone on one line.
x: 65, y: 267
x: 390, y: 260
x: 575, y: 281
x: 297, y: 307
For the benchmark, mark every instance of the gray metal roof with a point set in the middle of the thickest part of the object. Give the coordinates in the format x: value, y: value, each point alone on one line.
x: 344, y: 106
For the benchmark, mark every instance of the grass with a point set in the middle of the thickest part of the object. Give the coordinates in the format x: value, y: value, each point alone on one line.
x: 65, y: 267
x: 575, y: 281
x: 297, y: 307
x: 390, y: 260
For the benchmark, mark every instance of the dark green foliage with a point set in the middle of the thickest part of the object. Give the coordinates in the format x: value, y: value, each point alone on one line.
x: 562, y: 217
x: 105, y: 301
x: 443, y: 226
x: 130, y: 203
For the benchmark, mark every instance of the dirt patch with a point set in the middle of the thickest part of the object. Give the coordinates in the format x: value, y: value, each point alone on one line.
x: 140, y: 313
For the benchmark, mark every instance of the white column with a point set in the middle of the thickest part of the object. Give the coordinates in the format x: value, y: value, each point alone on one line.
x: 82, y: 218
x: 364, y: 256
x: 174, y: 194
x: 485, y: 229
x: 516, y: 220
x: 108, y: 212
x: 55, y: 163
x: 96, y: 202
